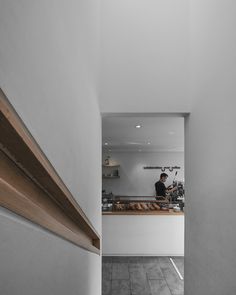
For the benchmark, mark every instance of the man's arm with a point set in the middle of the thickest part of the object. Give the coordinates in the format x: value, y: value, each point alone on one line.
x: 171, y: 190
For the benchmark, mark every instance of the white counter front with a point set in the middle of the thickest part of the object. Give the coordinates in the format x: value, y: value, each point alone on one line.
x: 157, y: 235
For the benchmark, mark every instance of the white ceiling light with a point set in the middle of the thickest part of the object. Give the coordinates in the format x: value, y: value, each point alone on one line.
x: 171, y: 132
x: 132, y: 143
x: 149, y: 142
x: 106, y: 143
x: 138, y: 126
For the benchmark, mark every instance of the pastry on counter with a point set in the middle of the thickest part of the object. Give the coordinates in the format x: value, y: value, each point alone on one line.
x: 151, y: 207
x: 157, y: 207
x: 144, y: 206
x: 138, y: 207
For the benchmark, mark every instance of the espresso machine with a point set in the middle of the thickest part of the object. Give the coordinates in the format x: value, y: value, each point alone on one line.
x: 177, y: 197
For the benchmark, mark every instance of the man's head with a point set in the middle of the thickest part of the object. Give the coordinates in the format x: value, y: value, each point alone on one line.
x: 163, y: 177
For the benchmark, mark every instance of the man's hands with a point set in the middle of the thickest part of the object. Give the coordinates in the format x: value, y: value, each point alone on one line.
x: 170, y: 190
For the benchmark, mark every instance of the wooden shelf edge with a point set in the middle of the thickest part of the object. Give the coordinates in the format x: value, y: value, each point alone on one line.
x: 110, y: 177
x: 110, y: 166
x: 157, y: 213
x: 22, y: 153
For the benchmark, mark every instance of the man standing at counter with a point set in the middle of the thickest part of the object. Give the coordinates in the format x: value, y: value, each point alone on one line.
x: 160, y: 187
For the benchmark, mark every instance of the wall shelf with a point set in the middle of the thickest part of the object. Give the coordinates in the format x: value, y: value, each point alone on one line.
x: 110, y: 171
x: 30, y: 186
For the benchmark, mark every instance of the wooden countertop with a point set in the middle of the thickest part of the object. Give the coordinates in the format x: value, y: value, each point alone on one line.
x: 157, y: 212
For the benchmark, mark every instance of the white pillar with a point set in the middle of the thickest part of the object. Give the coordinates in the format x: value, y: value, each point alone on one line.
x: 210, y: 266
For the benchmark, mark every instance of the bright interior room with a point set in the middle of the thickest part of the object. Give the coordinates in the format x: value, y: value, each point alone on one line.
x: 143, y: 197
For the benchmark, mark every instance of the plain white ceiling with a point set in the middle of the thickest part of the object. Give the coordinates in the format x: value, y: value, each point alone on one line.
x: 165, y: 134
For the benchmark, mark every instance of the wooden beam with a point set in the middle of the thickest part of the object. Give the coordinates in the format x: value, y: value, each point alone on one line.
x: 30, y: 186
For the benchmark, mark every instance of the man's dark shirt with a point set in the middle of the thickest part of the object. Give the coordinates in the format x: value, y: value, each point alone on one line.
x: 160, y: 189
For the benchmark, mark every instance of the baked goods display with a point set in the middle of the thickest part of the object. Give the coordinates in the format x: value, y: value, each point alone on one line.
x: 136, y: 206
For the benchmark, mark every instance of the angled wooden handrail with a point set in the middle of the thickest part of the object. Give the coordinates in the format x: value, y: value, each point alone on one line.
x: 30, y: 186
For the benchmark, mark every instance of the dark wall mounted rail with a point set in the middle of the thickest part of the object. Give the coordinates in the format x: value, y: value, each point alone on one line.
x: 170, y: 168
x: 30, y: 186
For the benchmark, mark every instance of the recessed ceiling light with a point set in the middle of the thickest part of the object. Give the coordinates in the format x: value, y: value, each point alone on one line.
x: 149, y: 142
x: 138, y: 126
x: 139, y: 150
x: 106, y: 143
x: 171, y: 132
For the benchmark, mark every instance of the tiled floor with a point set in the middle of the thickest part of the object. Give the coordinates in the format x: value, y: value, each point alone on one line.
x: 141, y: 276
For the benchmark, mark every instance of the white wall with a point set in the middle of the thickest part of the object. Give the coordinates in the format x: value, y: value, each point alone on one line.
x: 136, y: 181
x: 144, y: 56
x: 35, y: 262
x: 48, y: 69
x: 210, y: 151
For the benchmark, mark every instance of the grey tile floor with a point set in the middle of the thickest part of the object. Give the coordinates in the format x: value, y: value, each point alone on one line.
x: 141, y: 276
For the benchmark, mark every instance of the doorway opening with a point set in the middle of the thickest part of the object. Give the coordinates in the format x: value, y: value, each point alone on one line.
x: 143, y: 229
